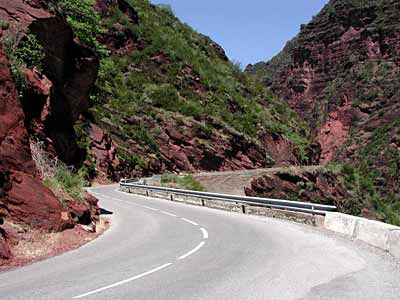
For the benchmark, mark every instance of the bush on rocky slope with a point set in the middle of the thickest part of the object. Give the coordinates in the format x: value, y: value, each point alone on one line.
x: 186, y: 182
x: 156, y: 73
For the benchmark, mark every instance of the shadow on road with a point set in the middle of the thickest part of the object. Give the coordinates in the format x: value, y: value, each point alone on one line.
x: 105, y: 212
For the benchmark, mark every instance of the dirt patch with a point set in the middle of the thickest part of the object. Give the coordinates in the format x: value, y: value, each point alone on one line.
x: 235, y: 182
x: 34, y: 246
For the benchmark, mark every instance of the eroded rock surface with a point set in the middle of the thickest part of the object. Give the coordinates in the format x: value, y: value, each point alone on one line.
x: 341, y: 72
x: 71, y: 68
x: 51, y: 102
x: 317, y: 186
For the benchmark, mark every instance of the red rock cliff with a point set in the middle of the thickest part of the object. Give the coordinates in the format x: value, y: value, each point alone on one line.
x: 341, y: 71
x: 50, y: 104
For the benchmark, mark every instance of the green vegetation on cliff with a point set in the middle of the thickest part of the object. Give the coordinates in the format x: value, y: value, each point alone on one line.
x: 176, y: 69
x: 160, y: 66
x: 155, y: 70
x: 186, y: 182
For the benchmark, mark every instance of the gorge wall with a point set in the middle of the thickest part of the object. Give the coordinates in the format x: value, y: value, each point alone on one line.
x: 43, y: 108
x: 341, y: 75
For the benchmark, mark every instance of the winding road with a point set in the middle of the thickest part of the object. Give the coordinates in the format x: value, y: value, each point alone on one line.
x: 156, y: 249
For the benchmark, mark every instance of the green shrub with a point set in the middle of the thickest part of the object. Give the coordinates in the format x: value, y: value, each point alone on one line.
x: 23, y: 50
x: 4, y: 25
x: 67, y: 181
x: 85, y: 22
x: 30, y: 52
x: 186, y: 182
x: 349, y: 172
x: 70, y: 182
x: 166, y: 8
x: 165, y: 96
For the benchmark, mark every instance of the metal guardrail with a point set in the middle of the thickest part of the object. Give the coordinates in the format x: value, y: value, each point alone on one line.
x: 305, y: 207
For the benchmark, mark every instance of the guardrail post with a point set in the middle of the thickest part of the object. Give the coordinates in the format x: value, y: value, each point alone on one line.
x: 171, y: 197
x: 147, y: 193
x: 202, y: 202
x: 243, y: 209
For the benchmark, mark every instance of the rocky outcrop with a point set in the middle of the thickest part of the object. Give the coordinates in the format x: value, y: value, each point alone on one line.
x: 85, y: 213
x: 14, y: 144
x: 70, y: 67
x: 341, y: 70
x: 104, y: 6
x: 47, y: 108
x: 177, y: 144
x: 103, y: 149
x: 23, y: 197
x: 29, y: 202
x: 118, y: 39
x: 320, y: 186
x: 341, y: 74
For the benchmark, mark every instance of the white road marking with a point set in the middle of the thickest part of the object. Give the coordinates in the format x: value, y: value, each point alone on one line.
x: 189, y: 221
x: 148, y: 207
x: 205, y: 233
x: 118, y: 200
x: 123, y: 281
x: 167, y: 213
x: 193, y: 250
x: 128, y: 202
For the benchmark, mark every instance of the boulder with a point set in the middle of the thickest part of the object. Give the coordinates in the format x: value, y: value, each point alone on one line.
x: 30, y: 202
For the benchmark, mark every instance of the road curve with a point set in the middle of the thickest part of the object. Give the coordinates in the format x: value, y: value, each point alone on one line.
x: 156, y: 249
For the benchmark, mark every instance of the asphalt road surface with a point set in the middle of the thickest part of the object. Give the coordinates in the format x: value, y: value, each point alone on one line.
x: 156, y: 249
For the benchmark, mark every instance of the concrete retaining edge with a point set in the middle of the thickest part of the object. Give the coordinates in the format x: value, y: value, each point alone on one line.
x: 380, y: 235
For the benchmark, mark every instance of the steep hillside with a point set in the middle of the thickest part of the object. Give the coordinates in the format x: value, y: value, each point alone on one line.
x: 38, y: 195
x: 171, y: 100
x: 341, y: 74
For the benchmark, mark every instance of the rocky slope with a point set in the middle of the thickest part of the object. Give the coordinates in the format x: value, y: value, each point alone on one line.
x: 165, y: 99
x: 42, y: 106
x: 341, y: 74
x: 170, y: 101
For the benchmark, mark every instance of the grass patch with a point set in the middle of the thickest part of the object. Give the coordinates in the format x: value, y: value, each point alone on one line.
x: 67, y: 181
x: 186, y: 182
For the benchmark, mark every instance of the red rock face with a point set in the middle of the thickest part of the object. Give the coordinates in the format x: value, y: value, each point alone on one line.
x: 316, y: 187
x: 70, y: 67
x: 102, y: 148
x: 21, y: 12
x: 23, y: 198
x: 36, y: 103
x: 185, y: 145
x: 334, y: 133
x: 337, y: 73
x: 30, y: 202
x: 14, y: 144
x: 5, y: 251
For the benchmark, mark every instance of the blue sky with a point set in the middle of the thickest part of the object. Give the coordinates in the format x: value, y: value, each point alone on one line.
x: 248, y: 30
